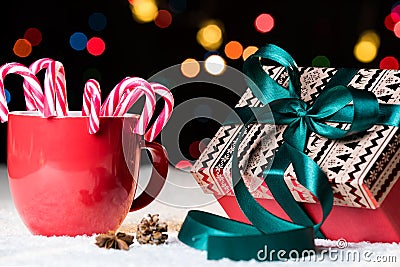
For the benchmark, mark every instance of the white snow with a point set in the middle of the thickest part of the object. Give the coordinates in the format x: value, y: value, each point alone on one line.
x: 18, y: 247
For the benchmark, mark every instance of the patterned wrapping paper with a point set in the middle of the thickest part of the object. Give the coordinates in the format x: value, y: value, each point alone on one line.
x: 362, y: 168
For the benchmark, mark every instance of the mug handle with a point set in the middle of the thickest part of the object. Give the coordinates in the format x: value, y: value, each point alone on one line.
x: 159, y: 172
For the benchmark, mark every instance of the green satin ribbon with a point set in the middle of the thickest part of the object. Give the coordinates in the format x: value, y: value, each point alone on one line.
x: 270, y: 237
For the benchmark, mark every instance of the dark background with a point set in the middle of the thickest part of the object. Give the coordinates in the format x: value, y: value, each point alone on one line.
x: 304, y: 28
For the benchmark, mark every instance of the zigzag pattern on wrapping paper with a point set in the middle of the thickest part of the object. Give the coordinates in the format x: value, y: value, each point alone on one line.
x: 353, y: 192
x: 249, y: 101
x: 208, y: 157
x: 266, y: 165
x: 270, y: 70
x: 368, y: 151
x: 252, y: 140
x: 392, y: 176
x: 357, y: 167
x: 330, y: 72
x: 210, y: 187
x: 215, y: 148
x: 205, y: 177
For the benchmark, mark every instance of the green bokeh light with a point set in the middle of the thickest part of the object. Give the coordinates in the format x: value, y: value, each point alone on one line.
x: 321, y: 61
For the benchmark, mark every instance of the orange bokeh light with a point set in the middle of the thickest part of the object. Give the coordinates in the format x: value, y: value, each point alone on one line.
x: 233, y: 50
x: 248, y: 51
x: 190, y: 68
x: 22, y: 48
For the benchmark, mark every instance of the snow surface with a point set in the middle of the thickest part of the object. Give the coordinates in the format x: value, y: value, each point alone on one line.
x: 18, y: 247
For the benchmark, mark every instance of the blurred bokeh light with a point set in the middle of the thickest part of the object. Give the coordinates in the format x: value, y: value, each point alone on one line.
x: 96, y: 46
x: 210, y: 36
x: 248, y: 51
x: 144, y: 10
x: 33, y: 35
x: 22, y: 48
x: 190, y: 68
x: 264, y: 23
x: 215, y: 65
x: 233, y: 50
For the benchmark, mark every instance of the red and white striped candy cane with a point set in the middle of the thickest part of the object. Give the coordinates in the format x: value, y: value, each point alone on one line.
x: 91, y: 104
x: 165, y: 114
x: 55, y: 97
x: 124, y: 95
x: 127, y: 100
x: 112, y: 100
x: 43, y: 63
x: 33, y: 97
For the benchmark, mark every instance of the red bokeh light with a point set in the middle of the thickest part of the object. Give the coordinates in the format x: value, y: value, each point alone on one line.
x: 264, y: 23
x: 183, y: 164
x: 194, y: 149
x: 163, y: 18
x: 395, y: 14
x: 389, y: 22
x: 34, y: 36
x: 96, y: 46
x: 389, y: 62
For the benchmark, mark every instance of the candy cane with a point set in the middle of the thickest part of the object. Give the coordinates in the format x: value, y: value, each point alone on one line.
x: 116, y: 104
x: 55, y: 103
x: 127, y: 100
x: 55, y: 83
x: 111, y: 102
x: 91, y: 104
x: 165, y: 114
x: 33, y: 98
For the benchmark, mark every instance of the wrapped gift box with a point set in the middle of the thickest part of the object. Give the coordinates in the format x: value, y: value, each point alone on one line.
x: 363, y: 169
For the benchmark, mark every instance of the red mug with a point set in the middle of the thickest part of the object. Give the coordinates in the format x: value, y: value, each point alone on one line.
x: 65, y: 181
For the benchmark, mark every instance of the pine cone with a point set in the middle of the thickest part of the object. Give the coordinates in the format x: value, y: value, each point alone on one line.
x: 151, y: 231
x: 115, y: 241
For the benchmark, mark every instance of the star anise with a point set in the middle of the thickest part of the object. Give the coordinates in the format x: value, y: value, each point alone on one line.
x: 115, y: 241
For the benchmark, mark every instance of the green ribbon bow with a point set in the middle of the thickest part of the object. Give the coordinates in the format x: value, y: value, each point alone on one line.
x: 270, y: 237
